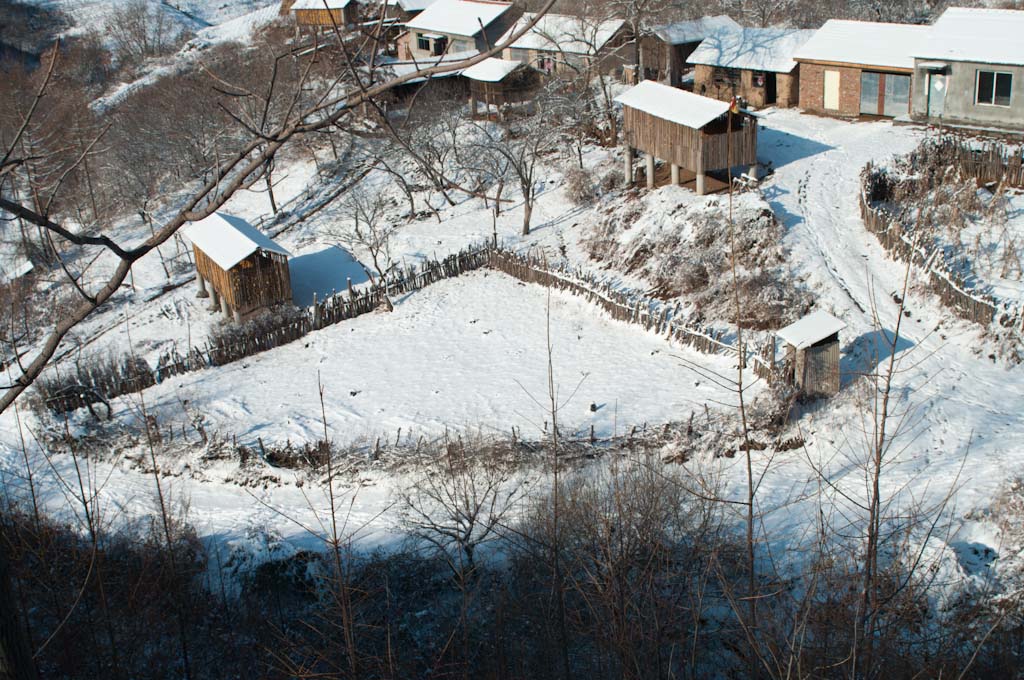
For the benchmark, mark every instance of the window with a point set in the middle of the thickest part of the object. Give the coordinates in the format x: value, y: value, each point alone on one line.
x: 422, y: 42
x: 440, y: 44
x: 994, y: 88
x: 726, y: 76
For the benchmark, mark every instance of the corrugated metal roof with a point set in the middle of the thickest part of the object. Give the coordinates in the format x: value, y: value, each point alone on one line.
x: 865, y: 42
x: 756, y: 49
x: 672, y: 104
x: 227, y: 240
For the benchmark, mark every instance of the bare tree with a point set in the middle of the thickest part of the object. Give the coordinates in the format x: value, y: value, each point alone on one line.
x: 140, y: 29
x: 369, y: 230
x: 461, y: 502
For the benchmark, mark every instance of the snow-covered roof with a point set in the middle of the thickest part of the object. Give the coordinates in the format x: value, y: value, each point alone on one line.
x: 682, y: 32
x: 563, y: 33
x: 491, y: 70
x: 457, y: 17
x: 414, y: 5
x: 989, y: 36
x: 673, y: 104
x: 813, y: 328
x: 227, y: 240
x: 404, y: 68
x: 319, y: 4
x: 865, y: 42
x: 756, y: 49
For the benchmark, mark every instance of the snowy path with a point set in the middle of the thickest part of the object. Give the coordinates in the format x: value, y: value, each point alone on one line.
x: 964, y: 407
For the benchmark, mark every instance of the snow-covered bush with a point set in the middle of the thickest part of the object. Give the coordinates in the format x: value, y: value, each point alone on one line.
x: 683, y: 245
x: 579, y: 185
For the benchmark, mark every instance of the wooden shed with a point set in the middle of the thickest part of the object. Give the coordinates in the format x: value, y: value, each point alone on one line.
x: 812, y: 351
x: 500, y: 83
x: 239, y: 266
x: 695, y: 134
x: 325, y: 14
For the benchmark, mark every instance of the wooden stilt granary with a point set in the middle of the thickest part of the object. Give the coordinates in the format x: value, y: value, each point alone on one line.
x: 695, y: 134
x: 239, y: 266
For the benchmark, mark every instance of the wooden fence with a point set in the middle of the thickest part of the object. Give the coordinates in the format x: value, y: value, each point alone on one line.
x: 950, y: 286
x: 624, y: 305
x: 653, y: 315
x: 988, y: 162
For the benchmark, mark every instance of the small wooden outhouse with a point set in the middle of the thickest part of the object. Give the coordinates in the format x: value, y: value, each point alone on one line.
x: 695, y: 134
x: 812, y: 353
x: 500, y: 83
x: 239, y: 266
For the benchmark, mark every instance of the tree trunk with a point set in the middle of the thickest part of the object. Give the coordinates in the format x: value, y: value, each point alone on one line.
x: 527, y: 214
x: 270, y: 190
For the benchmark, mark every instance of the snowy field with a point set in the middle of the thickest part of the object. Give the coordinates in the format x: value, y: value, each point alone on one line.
x: 463, y: 354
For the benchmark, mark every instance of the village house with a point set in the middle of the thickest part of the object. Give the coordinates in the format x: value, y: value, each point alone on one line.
x: 454, y: 27
x: 664, y: 51
x: 500, y: 84
x: 695, y: 135
x: 754, y: 64
x: 855, y: 68
x: 325, y: 15
x: 971, y: 70
x: 559, y: 43
x: 238, y: 266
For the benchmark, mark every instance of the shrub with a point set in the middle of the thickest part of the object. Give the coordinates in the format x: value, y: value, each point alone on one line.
x: 580, y: 186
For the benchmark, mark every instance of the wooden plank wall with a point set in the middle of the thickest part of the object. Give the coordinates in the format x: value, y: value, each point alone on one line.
x: 263, y: 283
x: 321, y: 17
x: 817, y: 369
x: 261, y: 280
x: 219, y: 279
x: 681, y: 145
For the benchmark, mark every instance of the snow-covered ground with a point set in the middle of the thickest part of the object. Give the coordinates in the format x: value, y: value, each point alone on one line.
x: 455, y: 354
x: 462, y: 354
x: 92, y: 15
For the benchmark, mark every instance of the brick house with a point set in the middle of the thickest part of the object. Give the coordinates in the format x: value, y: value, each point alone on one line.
x: 859, y: 68
x: 754, y: 64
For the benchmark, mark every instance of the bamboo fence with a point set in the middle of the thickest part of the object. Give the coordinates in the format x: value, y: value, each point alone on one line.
x: 953, y: 290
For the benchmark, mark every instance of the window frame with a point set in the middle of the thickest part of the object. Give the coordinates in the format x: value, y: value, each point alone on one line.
x: 422, y: 42
x: 995, y: 87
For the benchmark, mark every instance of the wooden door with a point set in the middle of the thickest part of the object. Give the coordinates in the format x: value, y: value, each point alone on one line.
x: 832, y: 90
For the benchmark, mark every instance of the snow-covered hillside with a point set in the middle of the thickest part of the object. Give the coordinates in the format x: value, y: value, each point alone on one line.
x: 92, y: 15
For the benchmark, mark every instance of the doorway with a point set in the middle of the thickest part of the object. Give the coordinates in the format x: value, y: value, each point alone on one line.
x: 832, y: 90
x: 771, y: 88
x: 936, y: 94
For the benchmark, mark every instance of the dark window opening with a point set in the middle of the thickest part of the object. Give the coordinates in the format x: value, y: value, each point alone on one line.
x: 994, y: 88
